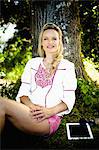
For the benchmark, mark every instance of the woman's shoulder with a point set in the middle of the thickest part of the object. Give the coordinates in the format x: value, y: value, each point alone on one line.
x: 66, y: 63
x: 34, y: 62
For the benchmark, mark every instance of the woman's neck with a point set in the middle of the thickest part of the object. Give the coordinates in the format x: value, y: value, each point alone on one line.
x: 49, y: 59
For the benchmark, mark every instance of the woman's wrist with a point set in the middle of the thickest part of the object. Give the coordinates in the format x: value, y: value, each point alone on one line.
x: 53, y: 111
x: 25, y: 100
x: 58, y: 108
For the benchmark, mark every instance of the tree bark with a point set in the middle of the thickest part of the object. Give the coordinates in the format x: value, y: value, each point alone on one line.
x: 65, y: 14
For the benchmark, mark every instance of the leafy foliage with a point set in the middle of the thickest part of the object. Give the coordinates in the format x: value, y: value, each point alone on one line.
x: 87, y: 96
x: 18, y: 50
x: 15, y: 12
x: 14, y: 57
x: 10, y: 90
x: 89, y: 23
x: 20, y: 13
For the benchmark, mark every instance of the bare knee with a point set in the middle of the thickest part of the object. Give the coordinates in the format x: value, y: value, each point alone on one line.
x: 2, y: 106
x: 2, y: 113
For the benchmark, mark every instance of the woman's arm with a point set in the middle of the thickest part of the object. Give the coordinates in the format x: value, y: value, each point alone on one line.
x: 25, y: 100
x: 59, y: 108
x: 24, y: 90
x: 44, y: 113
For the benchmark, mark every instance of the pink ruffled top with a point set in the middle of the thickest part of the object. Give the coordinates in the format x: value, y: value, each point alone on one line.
x: 42, y: 77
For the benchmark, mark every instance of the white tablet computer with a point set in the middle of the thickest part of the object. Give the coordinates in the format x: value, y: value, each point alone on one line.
x: 76, y: 131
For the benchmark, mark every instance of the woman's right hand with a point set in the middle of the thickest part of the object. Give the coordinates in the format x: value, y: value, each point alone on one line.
x: 34, y: 108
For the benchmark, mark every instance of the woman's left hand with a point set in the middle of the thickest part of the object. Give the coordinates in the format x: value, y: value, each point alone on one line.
x: 42, y: 113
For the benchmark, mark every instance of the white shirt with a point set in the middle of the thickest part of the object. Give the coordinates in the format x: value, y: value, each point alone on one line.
x: 62, y: 88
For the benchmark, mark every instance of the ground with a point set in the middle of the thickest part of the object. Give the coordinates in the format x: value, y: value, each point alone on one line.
x: 12, y: 138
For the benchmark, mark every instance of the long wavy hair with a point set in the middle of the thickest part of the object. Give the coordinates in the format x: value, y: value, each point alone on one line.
x: 59, y: 53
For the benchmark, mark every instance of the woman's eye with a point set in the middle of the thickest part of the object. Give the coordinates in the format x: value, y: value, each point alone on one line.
x: 54, y: 38
x: 45, y: 39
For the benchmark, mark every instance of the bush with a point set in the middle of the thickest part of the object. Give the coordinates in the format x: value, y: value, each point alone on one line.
x: 10, y: 90
x: 87, y: 95
x: 14, y: 58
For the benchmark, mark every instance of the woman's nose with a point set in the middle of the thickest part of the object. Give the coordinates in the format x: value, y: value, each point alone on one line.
x: 50, y: 41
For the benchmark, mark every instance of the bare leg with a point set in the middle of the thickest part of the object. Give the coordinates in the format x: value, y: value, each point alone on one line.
x: 19, y: 115
x: 2, y: 117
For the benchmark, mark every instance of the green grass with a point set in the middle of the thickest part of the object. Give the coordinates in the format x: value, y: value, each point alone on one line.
x: 60, y: 140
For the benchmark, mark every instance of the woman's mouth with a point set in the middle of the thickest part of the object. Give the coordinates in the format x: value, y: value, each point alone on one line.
x: 50, y: 46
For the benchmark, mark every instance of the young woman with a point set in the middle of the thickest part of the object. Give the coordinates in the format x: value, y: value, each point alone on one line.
x: 47, y: 91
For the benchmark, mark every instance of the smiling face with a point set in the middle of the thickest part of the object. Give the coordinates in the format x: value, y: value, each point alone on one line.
x: 50, y: 41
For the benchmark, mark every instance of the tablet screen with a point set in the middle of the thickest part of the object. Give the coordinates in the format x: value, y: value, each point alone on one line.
x: 78, y: 131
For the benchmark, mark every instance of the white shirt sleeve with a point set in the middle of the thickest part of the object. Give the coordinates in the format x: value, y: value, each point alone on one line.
x: 24, y: 89
x: 69, y: 87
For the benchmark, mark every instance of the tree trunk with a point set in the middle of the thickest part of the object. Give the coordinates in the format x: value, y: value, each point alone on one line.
x: 64, y: 13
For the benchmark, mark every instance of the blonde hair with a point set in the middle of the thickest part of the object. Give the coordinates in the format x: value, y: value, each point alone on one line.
x: 59, y: 54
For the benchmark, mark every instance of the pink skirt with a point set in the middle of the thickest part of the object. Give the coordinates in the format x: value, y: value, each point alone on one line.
x: 54, y: 123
